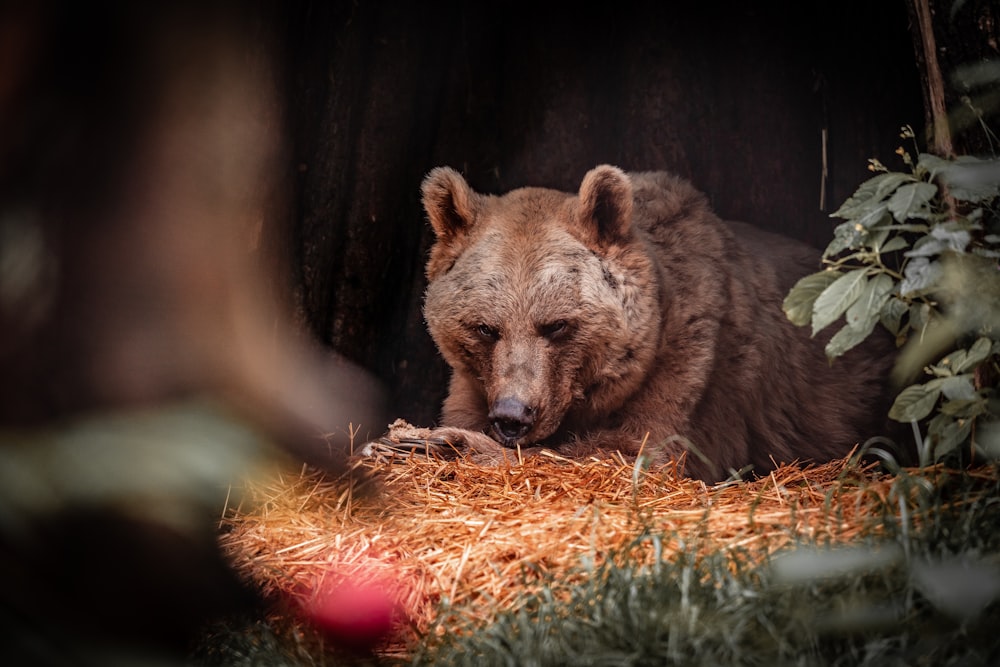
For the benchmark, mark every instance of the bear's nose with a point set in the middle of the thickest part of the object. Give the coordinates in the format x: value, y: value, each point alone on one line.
x: 511, y: 418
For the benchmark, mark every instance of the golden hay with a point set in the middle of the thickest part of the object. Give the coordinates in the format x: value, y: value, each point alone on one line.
x: 453, y: 530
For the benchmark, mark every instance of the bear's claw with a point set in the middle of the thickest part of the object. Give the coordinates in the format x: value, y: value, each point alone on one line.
x: 403, y: 439
x: 388, y: 446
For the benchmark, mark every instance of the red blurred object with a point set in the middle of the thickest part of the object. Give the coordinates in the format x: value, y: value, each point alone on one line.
x: 356, y: 616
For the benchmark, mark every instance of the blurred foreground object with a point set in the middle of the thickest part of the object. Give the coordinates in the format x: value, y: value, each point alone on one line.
x: 146, y: 354
x: 140, y: 259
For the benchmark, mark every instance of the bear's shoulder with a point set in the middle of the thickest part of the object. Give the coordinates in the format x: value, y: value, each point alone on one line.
x: 663, y: 200
x: 677, y: 217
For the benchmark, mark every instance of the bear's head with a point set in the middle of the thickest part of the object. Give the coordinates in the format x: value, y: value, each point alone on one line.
x: 544, y: 303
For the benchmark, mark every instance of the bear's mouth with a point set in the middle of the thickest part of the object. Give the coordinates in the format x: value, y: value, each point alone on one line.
x: 508, y: 441
x: 514, y: 423
x: 537, y: 436
x: 511, y: 420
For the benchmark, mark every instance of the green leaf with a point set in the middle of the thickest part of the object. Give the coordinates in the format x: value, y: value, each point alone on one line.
x: 892, y: 181
x: 870, y: 230
x: 949, y: 435
x: 837, y: 298
x: 861, y: 316
x: 966, y: 360
x: 798, y: 305
x: 864, y: 313
x: 968, y: 178
x: 972, y: 180
x: 894, y: 244
x: 873, y: 217
x: 876, y: 236
x: 870, y: 194
x: 941, y: 237
x: 964, y: 408
x: 892, y: 313
x: 960, y: 361
x: 863, y: 197
x: 987, y: 440
x: 932, y: 164
x: 845, y: 235
x: 912, y: 201
x: 959, y: 388
x: 942, y: 369
x: 920, y: 275
x: 846, y: 338
x: 914, y: 403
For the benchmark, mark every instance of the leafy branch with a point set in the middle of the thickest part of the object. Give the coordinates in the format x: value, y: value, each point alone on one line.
x: 917, y: 254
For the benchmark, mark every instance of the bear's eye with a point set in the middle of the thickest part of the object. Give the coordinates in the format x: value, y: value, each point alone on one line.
x: 487, y: 332
x: 554, y: 330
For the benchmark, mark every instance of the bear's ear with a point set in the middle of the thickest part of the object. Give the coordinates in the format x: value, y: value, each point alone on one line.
x: 449, y: 202
x: 605, y: 209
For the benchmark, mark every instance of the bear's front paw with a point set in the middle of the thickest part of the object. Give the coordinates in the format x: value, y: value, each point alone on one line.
x: 445, y: 441
x: 404, y: 438
x: 479, y: 447
x: 467, y: 442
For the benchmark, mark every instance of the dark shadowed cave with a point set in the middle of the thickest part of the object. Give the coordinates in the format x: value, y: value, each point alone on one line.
x: 354, y: 103
x: 735, y: 96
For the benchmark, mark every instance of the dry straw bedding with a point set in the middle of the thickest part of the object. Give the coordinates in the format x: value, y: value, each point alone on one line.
x: 480, y: 537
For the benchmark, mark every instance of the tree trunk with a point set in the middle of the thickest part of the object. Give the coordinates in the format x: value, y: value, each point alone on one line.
x: 957, y: 47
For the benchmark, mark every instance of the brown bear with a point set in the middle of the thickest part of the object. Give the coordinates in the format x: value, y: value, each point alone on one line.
x: 630, y: 316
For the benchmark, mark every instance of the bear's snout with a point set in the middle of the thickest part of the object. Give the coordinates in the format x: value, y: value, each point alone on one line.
x: 511, y: 419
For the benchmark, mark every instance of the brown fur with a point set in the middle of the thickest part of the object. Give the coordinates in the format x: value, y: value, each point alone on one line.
x: 630, y: 312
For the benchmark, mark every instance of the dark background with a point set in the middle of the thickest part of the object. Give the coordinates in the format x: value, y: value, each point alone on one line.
x: 360, y: 101
x: 221, y: 197
x: 733, y: 95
